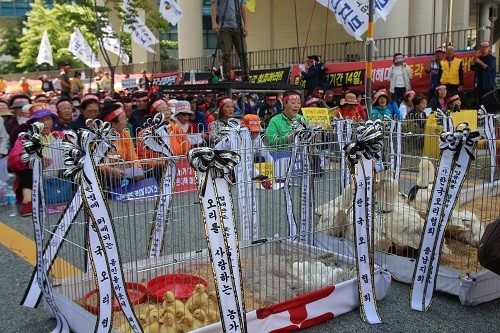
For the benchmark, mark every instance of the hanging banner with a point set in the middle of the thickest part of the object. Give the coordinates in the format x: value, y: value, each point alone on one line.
x: 79, y: 47
x: 352, y: 74
x: 215, y: 167
x: 360, y: 154
x: 171, y: 11
x: 157, y: 138
x: 344, y: 134
x: 45, y: 51
x: 32, y: 155
x: 491, y: 137
x: 166, y: 79
x: 457, y: 152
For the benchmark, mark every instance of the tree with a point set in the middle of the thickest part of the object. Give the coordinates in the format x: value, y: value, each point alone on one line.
x: 90, y: 17
x: 9, y: 46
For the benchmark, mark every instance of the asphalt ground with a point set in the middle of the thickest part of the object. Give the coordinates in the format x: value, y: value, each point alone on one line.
x: 17, y: 258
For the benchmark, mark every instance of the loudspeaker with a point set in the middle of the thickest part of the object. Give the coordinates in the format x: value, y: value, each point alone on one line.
x: 491, y: 101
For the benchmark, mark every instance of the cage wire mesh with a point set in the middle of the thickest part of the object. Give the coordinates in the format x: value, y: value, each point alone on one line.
x: 276, y: 266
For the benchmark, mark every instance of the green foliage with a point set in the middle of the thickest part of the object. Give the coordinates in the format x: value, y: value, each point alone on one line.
x: 165, y: 46
x: 8, y: 39
x: 89, y: 17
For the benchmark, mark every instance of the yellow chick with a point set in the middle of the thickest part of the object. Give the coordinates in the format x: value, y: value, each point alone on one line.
x: 199, y: 318
x: 170, y: 301
x: 198, y: 299
x: 125, y: 328
x: 181, y: 312
x: 187, y: 323
x: 212, y: 316
x: 153, y: 325
x: 168, y: 323
x: 213, y: 302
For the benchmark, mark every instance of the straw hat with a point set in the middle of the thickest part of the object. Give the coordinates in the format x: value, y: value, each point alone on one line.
x: 350, y: 98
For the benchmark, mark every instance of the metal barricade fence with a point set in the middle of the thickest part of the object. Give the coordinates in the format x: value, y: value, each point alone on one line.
x: 273, y: 258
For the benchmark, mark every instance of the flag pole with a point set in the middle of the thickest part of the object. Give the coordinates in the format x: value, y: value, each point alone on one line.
x: 369, y: 59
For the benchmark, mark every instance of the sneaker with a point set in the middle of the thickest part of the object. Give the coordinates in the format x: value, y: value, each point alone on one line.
x: 26, y: 209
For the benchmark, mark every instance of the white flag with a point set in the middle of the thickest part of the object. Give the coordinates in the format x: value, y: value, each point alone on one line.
x: 79, y: 47
x: 171, y: 11
x: 45, y: 52
x: 139, y: 31
x: 353, y: 15
x: 113, y: 44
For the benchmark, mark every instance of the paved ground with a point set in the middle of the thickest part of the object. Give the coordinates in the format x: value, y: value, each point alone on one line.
x: 446, y: 314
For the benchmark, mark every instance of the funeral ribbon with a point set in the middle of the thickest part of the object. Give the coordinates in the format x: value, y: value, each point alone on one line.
x: 241, y: 143
x: 360, y: 154
x: 157, y: 138
x: 491, y: 137
x: 74, y: 163
x: 344, y: 134
x: 457, y: 152
x: 395, y: 133
x: 445, y: 120
x: 215, y: 168
x: 32, y: 155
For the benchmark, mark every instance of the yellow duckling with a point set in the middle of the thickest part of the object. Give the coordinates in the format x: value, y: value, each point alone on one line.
x: 213, y: 302
x: 170, y: 300
x: 153, y: 325
x: 212, y: 316
x: 187, y: 323
x: 168, y: 323
x: 199, y: 318
x: 181, y: 312
x: 125, y: 328
x: 198, y: 299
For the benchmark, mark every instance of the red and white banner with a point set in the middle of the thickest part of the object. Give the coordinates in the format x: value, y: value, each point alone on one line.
x: 352, y: 74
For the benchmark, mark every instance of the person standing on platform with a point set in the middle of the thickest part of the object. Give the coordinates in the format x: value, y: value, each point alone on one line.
x: 311, y: 76
x: 484, y: 64
x: 230, y: 23
x: 399, y: 77
x: 451, y: 73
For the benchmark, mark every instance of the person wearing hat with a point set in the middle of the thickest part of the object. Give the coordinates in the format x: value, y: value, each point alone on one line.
x: 90, y: 110
x: 380, y: 108
x: 451, y: 72
x: 453, y: 103
x: 312, y: 75
x: 259, y: 149
x: 279, y: 131
x: 24, y: 175
x: 399, y: 78
x: 19, y: 116
x: 65, y: 113
x: 439, y: 99
x: 406, y: 104
x: 432, y: 69
x: 112, y: 173
x: 350, y: 109
x: 141, y: 113
x: 225, y: 106
x: 268, y: 109
x: 485, y: 68
x: 46, y: 83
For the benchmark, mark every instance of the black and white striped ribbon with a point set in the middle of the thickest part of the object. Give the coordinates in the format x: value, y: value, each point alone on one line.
x: 215, y: 167
x: 344, y: 135
x: 157, y: 138
x: 360, y: 154
x: 457, y: 152
x: 32, y: 155
x: 444, y: 119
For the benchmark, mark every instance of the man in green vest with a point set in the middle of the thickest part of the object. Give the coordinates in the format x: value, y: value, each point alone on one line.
x: 451, y: 72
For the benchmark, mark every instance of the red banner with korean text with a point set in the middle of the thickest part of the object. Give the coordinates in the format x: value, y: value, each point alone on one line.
x: 185, y: 181
x: 352, y: 74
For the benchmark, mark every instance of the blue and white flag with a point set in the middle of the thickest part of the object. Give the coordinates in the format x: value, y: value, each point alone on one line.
x: 113, y: 44
x: 79, y: 47
x: 139, y: 30
x: 353, y: 15
x: 171, y: 11
x: 45, y: 52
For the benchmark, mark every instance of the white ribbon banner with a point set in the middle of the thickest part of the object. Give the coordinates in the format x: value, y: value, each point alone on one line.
x: 222, y: 238
x: 45, y: 51
x: 79, y: 47
x: 489, y: 132
x: 456, y: 155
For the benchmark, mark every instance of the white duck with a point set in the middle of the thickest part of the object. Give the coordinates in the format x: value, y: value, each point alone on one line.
x: 317, y: 275
x: 333, y: 214
x: 421, y: 193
